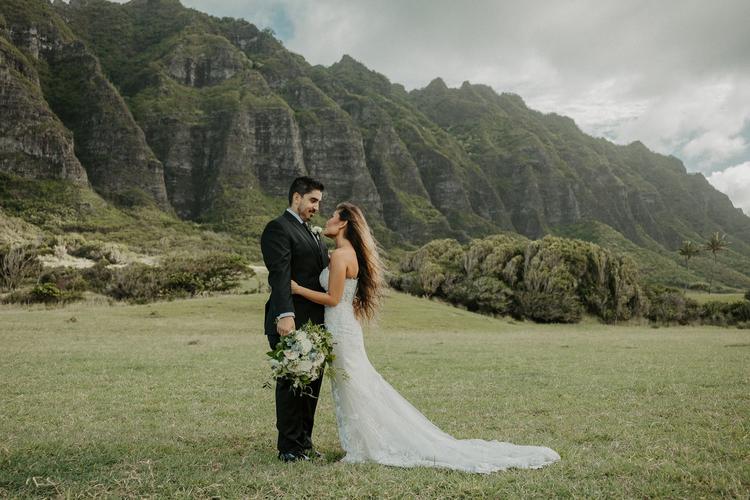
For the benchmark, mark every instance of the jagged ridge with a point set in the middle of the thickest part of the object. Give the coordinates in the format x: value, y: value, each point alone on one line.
x: 223, y: 117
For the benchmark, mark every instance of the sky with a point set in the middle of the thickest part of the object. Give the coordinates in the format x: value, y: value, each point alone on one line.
x: 674, y: 74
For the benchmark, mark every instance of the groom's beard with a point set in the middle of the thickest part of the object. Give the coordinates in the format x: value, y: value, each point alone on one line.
x: 307, y: 215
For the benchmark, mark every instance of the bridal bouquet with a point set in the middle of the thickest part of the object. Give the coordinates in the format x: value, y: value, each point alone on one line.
x: 302, y: 355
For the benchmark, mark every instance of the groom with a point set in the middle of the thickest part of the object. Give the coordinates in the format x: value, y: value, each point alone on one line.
x: 292, y: 252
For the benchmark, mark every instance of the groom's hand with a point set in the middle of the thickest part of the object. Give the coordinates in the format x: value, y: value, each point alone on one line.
x: 285, y: 325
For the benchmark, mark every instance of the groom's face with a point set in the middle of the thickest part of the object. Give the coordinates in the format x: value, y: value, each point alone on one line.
x: 309, y: 204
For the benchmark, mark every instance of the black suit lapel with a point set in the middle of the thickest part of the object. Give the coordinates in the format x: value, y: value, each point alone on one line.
x: 307, y: 235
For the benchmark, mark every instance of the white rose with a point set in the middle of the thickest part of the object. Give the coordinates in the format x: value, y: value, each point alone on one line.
x: 289, y: 354
x: 305, y: 346
x: 305, y: 366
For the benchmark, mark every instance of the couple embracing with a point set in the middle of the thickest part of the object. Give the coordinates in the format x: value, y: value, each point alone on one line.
x: 375, y: 423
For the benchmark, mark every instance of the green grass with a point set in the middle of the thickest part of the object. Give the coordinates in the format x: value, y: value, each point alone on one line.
x: 703, y: 297
x: 166, y: 400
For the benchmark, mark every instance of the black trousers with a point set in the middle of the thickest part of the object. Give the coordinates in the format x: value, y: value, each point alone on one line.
x: 295, y: 411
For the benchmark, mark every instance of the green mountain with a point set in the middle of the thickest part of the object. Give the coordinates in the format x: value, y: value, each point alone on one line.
x: 208, y: 119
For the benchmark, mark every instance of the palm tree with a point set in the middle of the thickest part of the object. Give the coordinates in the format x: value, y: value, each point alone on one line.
x: 716, y: 244
x: 688, y: 250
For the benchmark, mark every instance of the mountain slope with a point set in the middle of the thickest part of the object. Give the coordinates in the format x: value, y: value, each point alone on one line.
x: 150, y: 102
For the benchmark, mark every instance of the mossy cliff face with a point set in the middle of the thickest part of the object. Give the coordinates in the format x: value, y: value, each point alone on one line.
x: 213, y: 118
x: 228, y: 133
x: 107, y: 142
x: 33, y: 141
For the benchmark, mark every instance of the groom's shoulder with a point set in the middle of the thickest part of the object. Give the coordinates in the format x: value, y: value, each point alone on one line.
x: 279, y: 222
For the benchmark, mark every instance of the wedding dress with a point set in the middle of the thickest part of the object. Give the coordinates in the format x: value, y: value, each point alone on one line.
x: 376, y: 424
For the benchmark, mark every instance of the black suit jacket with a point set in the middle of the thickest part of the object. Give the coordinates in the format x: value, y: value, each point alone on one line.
x: 290, y: 252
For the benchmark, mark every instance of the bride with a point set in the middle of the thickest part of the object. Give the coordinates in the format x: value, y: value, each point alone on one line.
x: 375, y: 423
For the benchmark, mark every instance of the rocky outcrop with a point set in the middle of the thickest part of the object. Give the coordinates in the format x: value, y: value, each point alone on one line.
x: 219, y: 135
x: 201, y: 60
x: 33, y: 141
x: 110, y: 146
x: 109, y: 143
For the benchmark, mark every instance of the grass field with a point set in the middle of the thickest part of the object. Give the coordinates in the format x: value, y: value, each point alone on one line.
x: 166, y: 400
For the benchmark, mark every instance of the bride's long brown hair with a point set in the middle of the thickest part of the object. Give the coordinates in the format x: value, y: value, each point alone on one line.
x: 370, y: 285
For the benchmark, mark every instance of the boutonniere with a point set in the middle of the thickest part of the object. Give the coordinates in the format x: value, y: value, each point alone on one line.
x: 316, y: 230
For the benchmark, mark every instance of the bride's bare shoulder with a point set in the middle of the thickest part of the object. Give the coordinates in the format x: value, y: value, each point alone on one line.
x: 343, y: 255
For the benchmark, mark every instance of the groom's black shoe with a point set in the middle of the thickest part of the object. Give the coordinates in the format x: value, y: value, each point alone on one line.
x: 289, y: 456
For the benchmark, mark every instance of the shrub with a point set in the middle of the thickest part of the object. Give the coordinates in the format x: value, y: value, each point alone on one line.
x: 138, y: 283
x: 435, y: 264
x: 485, y: 294
x: 98, y: 276
x: 211, y: 272
x: 17, y: 262
x: 738, y: 312
x: 177, y: 277
x: 548, y: 280
x: 668, y: 305
x: 548, y: 291
x: 45, y: 293
x: 65, y: 278
x: 724, y: 314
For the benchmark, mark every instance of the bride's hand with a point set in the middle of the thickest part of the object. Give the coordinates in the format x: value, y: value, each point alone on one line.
x: 295, y: 288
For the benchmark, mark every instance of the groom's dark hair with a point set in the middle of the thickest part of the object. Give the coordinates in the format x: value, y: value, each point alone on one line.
x: 303, y: 185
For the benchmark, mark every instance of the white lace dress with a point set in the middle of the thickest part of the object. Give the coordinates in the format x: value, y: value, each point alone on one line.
x: 376, y: 424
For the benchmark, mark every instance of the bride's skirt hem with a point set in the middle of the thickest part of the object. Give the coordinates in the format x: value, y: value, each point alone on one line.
x: 474, y: 469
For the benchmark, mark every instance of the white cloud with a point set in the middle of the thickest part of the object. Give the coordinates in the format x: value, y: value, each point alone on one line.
x: 702, y: 122
x: 714, y: 146
x: 735, y: 183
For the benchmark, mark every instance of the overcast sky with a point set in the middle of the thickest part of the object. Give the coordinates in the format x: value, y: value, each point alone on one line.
x: 674, y: 74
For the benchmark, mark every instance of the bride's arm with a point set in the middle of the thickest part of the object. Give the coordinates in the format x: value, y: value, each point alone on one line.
x: 336, y: 277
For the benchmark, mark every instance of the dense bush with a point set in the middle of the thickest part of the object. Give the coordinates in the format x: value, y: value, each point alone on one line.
x: 98, y: 276
x: 135, y: 282
x: 434, y: 268
x: 97, y: 250
x: 548, y: 292
x: 43, y: 293
x: 211, y: 272
x: 65, y: 278
x: 726, y: 313
x: 548, y: 280
x: 669, y: 305
x: 177, y: 277
x: 485, y: 294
